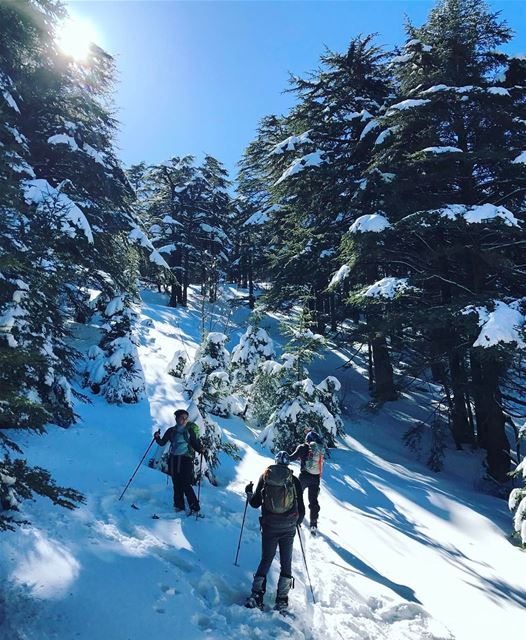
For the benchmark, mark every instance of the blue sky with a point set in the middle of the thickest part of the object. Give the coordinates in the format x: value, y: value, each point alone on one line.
x: 196, y: 77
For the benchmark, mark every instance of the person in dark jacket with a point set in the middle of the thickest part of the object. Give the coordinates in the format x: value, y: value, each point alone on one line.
x: 277, y: 529
x: 310, y: 474
x: 183, y: 442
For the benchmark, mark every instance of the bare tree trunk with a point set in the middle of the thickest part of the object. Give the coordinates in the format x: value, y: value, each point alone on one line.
x: 251, y: 297
x: 384, y: 388
x: 462, y: 434
x: 184, y: 301
x: 332, y: 311
x: 490, y: 417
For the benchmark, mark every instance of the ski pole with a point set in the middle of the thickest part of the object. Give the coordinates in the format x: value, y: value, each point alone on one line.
x: 241, y: 533
x: 199, y: 483
x: 305, y: 561
x: 133, y: 476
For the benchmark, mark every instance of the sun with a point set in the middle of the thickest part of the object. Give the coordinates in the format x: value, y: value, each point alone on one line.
x: 75, y: 36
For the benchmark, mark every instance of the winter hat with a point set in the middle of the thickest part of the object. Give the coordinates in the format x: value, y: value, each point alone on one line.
x: 282, y: 457
x: 312, y: 436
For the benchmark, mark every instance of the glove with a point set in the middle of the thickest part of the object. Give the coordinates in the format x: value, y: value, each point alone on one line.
x: 249, y: 489
x: 157, y: 435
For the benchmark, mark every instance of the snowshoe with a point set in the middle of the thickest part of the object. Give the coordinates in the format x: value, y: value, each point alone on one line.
x: 196, y: 514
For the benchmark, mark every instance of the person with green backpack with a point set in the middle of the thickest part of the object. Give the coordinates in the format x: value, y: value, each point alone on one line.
x: 184, y: 441
x: 280, y: 497
x: 311, y: 454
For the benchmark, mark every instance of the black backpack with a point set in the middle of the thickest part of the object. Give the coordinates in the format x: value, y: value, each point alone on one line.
x: 279, y: 493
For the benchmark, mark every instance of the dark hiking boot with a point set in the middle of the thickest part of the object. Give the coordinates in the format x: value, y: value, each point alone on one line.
x: 282, y: 594
x: 178, y: 509
x: 255, y: 599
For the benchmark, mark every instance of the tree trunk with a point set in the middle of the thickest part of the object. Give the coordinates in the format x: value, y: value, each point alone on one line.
x: 184, y: 300
x: 490, y: 417
x: 251, y: 297
x: 176, y: 290
x: 332, y: 310
x: 384, y: 388
x: 462, y: 434
x: 370, y: 368
x: 320, y: 321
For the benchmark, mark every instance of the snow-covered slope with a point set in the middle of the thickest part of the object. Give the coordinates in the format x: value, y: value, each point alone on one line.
x: 402, y: 553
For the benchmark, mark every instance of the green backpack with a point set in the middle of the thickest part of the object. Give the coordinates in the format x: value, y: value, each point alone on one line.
x: 279, y: 493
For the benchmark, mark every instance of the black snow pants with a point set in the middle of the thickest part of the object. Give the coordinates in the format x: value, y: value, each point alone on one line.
x: 182, y: 472
x: 311, y: 482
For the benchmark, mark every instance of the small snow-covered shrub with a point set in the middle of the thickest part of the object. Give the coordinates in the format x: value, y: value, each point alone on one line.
x: 255, y: 346
x: 207, y: 380
x: 178, y: 364
x: 113, y: 368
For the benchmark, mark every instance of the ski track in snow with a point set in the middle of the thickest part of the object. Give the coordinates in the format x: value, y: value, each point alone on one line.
x: 108, y: 571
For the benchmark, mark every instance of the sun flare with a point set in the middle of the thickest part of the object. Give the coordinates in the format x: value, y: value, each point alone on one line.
x: 75, y: 37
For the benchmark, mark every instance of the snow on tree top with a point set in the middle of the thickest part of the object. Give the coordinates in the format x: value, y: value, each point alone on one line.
x: 10, y: 100
x: 407, y: 104
x: 169, y: 220
x: 18, y: 164
x: 498, y: 91
x: 403, y: 58
x: 310, y: 160
x: 371, y: 222
x: 216, y: 337
x: 481, y: 213
x: 157, y: 259
x: 63, y: 138
x: 386, y: 288
x: 260, y: 217
x: 520, y: 159
x: 289, y: 144
x: 503, y: 324
x: 19, y: 137
x: 307, y: 386
x: 307, y: 334
x: 98, y: 156
x: 49, y: 199
x: 416, y: 41
x: 114, y: 306
x: 219, y: 233
x: 137, y: 236
x: 442, y: 150
x: 436, y: 89
x: 478, y: 213
x: 372, y: 124
x: 382, y: 136
x: 342, y: 273
x: 329, y: 381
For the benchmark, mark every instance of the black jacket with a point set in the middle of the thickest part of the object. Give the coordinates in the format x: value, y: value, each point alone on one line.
x: 294, y: 516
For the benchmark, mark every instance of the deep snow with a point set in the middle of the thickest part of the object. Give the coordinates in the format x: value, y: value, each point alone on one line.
x: 402, y: 553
